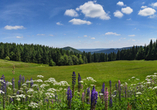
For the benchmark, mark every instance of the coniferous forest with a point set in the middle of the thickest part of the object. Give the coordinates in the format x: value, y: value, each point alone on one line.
x: 56, y: 56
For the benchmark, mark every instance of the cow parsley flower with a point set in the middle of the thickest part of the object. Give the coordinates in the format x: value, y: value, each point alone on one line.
x: 40, y: 76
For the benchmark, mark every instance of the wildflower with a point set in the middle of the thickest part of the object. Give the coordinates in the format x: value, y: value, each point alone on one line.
x: 73, y: 82
x: 31, y: 82
x: 52, y: 80
x: 39, y: 80
x: 103, y: 88
x: 9, y: 83
x: 83, y: 97
x: 69, y: 96
x: 30, y: 90
x: 91, y: 79
x: 35, y: 85
x: 94, y: 97
x: 52, y: 89
x: 88, y: 95
x: 49, y: 94
x: 138, y: 93
x: 133, y: 77
x: 155, y: 73
x: 33, y: 105
x: 40, y: 76
x: 106, y: 98
x: 44, y: 85
x: 79, y: 84
x: 64, y: 83
x: 155, y: 87
x: 1, y: 92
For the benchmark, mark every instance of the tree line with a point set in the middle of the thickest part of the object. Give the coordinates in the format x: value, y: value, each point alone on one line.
x: 42, y: 54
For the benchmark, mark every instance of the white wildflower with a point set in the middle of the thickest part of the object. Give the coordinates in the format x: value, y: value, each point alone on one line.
x: 35, y: 85
x: 33, y: 105
x: 51, y: 90
x: 155, y: 87
x: 40, y: 76
x: 81, y: 82
x: 138, y: 93
x: 148, y: 76
x: 137, y: 79
x: 148, y: 82
x: 30, y: 90
x: 49, y: 94
x: 129, y: 79
x: 44, y: 85
x: 155, y: 73
x: 39, y: 80
x: 20, y: 96
x: 126, y: 83
x: 113, y: 96
x: 133, y: 77
x: 8, y: 83
x: 150, y: 88
x: 18, y: 99
x: 91, y: 79
x: 28, y: 81
x: 64, y: 83
x: 57, y: 83
x: 9, y: 88
x: 101, y: 94
x: 1, y: 92
x: 24, y: 84
x: 52, y: 80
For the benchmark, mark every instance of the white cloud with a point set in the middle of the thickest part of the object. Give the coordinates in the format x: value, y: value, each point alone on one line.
x: 143, y: 6
x: 131, y: 35
x: 51, y: 35
x: 154, y: 4
x: 112, y: 33
x: 127, y: 10
x: 147, y: 12
x: 118, y: 14
x: 93, y: 38
x: 7, y: 27
x: 120, y: 3
x: 19, y: 37
x: 71, y: 12
x: 93, y: 10
x: 85, y: 35
x: 129, y: 19
x: 58, y: 23
x: 79, y: 22
x: 40, y: 34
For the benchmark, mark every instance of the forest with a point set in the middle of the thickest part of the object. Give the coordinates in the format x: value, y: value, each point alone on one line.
x: 42, y: 54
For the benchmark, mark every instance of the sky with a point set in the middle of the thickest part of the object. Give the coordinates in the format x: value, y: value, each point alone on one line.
x: 78, y: 23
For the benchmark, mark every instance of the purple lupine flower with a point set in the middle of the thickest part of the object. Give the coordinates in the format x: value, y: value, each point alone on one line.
x: 83, y: 97
x: 17, y: 92
x: 73, y: 82
x: 27, y: 82
x: 88, y: 95
x: 31, y: 82
x: 106, y: 98
x: 94, y: 97
x: 119, y: 89
x: 69, y: 96
x: 13, y: 84
x: 20, y: 78
x: 79, y: 84
x: 103, y: 88
x: 19, y: 84
x: 23, y: 79
x: 110, y: 102
x: 125, y: 91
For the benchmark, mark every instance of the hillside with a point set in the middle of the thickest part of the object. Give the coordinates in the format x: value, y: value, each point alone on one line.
x: 71, y: 49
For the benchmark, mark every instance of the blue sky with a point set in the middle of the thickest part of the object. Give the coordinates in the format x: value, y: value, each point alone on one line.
x: 78, y: 23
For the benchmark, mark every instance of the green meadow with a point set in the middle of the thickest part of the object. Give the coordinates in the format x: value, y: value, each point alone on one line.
x: 101, y: 72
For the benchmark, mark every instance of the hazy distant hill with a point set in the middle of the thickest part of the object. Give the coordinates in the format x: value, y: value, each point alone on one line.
x: 103, y: 50
x: 71, y: 49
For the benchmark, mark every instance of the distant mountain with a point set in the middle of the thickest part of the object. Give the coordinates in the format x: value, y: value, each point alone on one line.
x: 71, y: 49
x: 103, y: 50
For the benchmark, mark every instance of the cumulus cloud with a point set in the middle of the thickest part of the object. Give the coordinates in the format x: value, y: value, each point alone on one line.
x: 85, y: 35
x: 120, y: 3
x: 127, y: 10
x: 112, y: 33
x: 19, y: 37
x: 71, y: 12
x: 118, y: 14
x: 51, y: 35
x: 93, y: 38
x: 79, y: 22
x: 131, y: 35
x: 58, y: 23
x: 154, y: 4
x: 40, y: 34
x: 93, y: 10
x: 143, y: 6
x: 146, y: 12
x: 7, y: 27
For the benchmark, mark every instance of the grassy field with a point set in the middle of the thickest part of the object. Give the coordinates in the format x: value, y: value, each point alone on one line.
x: 101, y: 72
